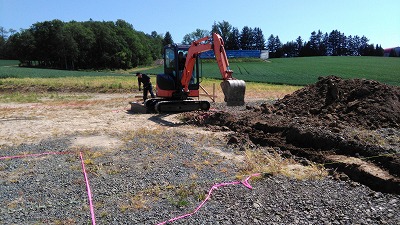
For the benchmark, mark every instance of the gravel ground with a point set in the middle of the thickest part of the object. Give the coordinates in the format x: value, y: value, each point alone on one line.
x: 156, y: 176
x: 279, y: 200
x: 42, y: 190
x: 139, y: 175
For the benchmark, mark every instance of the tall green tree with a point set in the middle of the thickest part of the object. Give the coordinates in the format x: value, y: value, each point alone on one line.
x: 336, y: 43
x: 68, y: 48
x: 259, y: 40
x: 3, y: 32
x: 278, y: 46
x: 290, y: 49
x: 12, y: 31
x: 48, y: 42
x: 83, y: 41
x: 3, y: 54
x: 274, y: 46
x: 323, y: 44
x: 156, y: 45
x: 299, y: 45
x: 107, y: 45
x: 23, y: 47
x: 145, y: 57
x: 195, y: 35
x: 351, y: 46
x: 246, y: 38
x: 131, y: 51
x: 379, y: 51
x: 271, y: 43
x: 233, y: 42
x: 333, y: 44
x: 314, y: 43
x: 223, y: 28
x: 317, y: 44
x: 82, y: 45
x: 364, y: 46
x: 167, y: 39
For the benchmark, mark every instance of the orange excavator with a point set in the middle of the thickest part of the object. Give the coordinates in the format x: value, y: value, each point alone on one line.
x: 179, y: 84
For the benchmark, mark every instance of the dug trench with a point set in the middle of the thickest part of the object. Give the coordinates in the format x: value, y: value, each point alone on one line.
x: 352, y: 127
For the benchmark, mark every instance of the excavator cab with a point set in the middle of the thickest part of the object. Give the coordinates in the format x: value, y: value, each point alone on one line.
x: 174, y: 94
x: 169, y: 83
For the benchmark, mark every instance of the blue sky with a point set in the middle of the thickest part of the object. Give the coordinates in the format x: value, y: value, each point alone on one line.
x: 378, y: 20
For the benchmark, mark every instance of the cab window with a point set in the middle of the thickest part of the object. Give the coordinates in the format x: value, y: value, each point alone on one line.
x: 169, y: 67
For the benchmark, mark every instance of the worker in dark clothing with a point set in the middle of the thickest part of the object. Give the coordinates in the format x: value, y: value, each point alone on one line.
x: 181, y: 61
x: 147, y: 87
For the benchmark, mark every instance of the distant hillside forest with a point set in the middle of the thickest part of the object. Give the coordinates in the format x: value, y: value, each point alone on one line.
x: 83, y: 45
x: 117, y: 45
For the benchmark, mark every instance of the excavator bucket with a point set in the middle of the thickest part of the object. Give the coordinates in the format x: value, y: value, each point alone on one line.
x: 234, y: 91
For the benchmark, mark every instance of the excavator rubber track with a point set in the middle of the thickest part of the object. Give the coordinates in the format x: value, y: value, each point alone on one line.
x: 167, y: 106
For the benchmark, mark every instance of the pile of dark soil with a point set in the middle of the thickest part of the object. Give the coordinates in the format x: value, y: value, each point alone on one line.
x: 331, y: 117
x: 356, y: 102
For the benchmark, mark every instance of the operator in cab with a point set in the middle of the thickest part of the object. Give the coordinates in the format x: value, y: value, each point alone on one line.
x: 181, y: 61
x: 147, y: 86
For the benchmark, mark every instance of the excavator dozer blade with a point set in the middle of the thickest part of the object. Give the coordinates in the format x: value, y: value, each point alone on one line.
x: 234, y: 91
x: 137, y: 107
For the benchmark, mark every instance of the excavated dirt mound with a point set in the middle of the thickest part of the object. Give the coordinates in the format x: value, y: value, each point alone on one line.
x: 356, y: 102
x: 351, y: 120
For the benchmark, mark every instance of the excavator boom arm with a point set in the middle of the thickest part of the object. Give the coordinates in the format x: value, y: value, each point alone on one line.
x: 221, y: 57
x: 204, y: 45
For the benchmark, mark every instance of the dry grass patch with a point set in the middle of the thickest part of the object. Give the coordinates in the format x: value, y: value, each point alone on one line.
x: 198, y: 166
x: 268, y: 91
x: 140, y: 200
x: 143, y: 134
x: 182, y: 193
x: 263, y: 162
x: 103, y: 83
x: 253, y: 90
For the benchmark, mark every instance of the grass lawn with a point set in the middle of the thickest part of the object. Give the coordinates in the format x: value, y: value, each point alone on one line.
x: 306, y: 70
x: 275, y: 76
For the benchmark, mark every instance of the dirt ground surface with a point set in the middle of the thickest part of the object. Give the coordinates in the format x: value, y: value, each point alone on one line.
x: 349, y: 125
x: 99, y: 113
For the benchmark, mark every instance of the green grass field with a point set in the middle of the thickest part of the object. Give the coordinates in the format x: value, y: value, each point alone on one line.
x: 8, y: 63
x: 306, y: 70
x: 10, y: 69
x: 291, y: 71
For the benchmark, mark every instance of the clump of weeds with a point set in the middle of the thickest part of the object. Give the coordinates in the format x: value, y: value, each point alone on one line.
x: 265, y: 162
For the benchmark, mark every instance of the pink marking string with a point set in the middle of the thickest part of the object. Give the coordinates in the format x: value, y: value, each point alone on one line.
x: 216, y: 186
x: 34, y: 155
x: 89, y: 192
x: 63, y: 153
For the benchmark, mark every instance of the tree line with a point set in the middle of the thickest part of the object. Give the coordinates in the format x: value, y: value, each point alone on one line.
x: 247, y: 39
x: 81, y: 45
x: 320, y: 44
x: 323, y: 44
x: 117, y: 45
